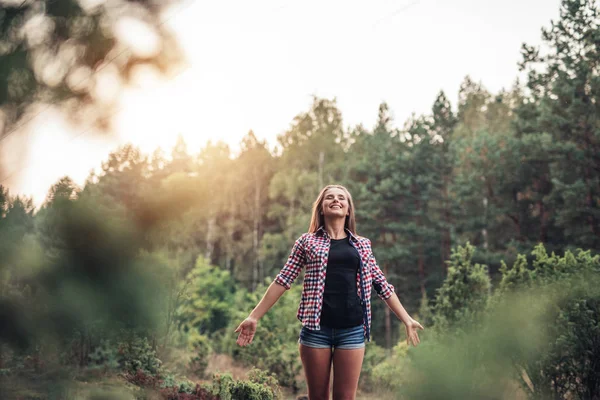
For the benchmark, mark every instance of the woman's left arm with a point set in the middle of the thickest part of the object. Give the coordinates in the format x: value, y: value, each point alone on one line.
x: 410, y: 324
x: 397, y: 308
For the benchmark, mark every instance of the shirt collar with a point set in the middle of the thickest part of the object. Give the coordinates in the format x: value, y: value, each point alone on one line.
x: 322, y: 231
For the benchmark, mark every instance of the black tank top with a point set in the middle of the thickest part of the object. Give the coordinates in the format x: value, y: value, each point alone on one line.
x: 341, y: 304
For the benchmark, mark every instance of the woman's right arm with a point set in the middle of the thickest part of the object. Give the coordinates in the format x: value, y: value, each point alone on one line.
x: 247, y: 328
x: 282, y: 282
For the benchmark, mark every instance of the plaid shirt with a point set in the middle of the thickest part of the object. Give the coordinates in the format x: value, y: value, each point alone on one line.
x: 311, y: 250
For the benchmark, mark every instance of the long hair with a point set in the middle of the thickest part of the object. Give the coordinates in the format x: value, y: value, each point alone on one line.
x: 317, y: 220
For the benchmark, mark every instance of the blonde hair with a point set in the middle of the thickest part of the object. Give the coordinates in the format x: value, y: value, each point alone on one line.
x: 317, y: 220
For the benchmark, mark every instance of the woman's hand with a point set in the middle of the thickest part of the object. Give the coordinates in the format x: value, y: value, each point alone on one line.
x: 247, y: 329
x: 411, y: 332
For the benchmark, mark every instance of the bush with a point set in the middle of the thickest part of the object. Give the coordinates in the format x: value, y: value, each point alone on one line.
x: 566, y: 362
x: 207, y: 306
x: 540, y: 328
x: 463, y: 297
x: 260, y: 386
x: 137, y: 354
x: 201, y: 351
x: 181, y: 385
x: 274, y: 347
x: 105, y: 356
x: 390, y: 375
x: 222, y: 384
x: 251, y: 391
x: 374, y: 355
x: 266, y: 379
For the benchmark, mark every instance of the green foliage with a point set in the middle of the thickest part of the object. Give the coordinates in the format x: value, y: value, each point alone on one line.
x: 391, y: 374
x: 251, y: 391
x: 571, y: 325
x: 374, y: 355
x: 105, y: 356
x: 463, y: 296
x: 137, y: 354
x: 222, y: 385
x: 150, y: 243
x: 201, y: 351
x: 274, y: 347
x: 181, y: 385
x: 540, y: 328
x: 267, y: 379
x: 24, y: 79
x: 207, y: 305
x: 517, y: 277
x: 260, y: 386
x: 563, y: 106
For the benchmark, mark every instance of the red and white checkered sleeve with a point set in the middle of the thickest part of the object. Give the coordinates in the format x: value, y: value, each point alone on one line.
x: 383, y: 288
x: 293, y: 266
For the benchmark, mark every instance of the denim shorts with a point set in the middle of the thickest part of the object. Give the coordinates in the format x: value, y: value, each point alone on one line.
x: 337, y: 338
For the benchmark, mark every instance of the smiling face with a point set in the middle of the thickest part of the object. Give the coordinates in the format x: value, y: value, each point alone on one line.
x: 335, y: 203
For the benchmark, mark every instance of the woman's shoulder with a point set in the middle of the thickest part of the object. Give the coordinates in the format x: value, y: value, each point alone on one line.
x: 304, y: 237
x: 363, y: 240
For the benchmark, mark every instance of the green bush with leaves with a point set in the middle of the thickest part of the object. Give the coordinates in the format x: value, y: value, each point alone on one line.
x: 222, y: 385
x: 266, y: 379
x: 260, y: 386
x: 463, y: 297
x: 201, y: 351
x: 207, y: 307
x: 105, y: 356
x: 275, y: 344
x: 374, y: 355
x: 540, y: 328
x: 182, y: 385
x: 136, y: 353
x: 566, y: 362
x: 251, y: 391
x: 390, y: 375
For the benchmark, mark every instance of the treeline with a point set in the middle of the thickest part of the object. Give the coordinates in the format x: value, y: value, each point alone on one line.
x: 118, y: 259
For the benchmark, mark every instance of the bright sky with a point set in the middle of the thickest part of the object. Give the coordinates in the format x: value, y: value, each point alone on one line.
x: 255, y: 65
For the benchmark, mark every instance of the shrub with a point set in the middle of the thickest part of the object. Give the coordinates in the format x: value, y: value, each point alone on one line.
x: 390, y: 375
x: 201, y: 351
x: 374, y: 355
x: 261, y: 386
x: 137, y: 354
x: 251, y: 391
x: 463, y: 297
x: 274, y: 347
x: 105, y: 356
x: 266, y: 379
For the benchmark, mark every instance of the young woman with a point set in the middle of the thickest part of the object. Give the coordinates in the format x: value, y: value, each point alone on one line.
x: 335, y: 307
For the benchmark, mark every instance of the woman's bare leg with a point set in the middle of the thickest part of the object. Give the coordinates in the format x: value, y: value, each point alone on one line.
x: 346, y: 371
x: 317, y: 369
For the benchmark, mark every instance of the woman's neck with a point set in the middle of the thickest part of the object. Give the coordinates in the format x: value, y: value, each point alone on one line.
x: 335, y: 228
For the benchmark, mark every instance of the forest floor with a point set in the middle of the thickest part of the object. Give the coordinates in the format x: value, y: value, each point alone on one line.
x: 88, y: 384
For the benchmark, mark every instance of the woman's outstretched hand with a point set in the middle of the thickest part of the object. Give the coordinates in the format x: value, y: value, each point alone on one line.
x: 411, y: 332
x: 247, y: 329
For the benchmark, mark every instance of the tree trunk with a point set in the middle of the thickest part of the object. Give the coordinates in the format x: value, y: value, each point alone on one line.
x: 421, y: 255
x: 484, y: 232
x: 590, y: 204
x: 256, y: 273
x: 321, y: 162
x: 421, y: 263
x: 82, y: 349
x: 230, y: 229
x: 446, y: 239
x: 543, y: 219
x: 210, y: 228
